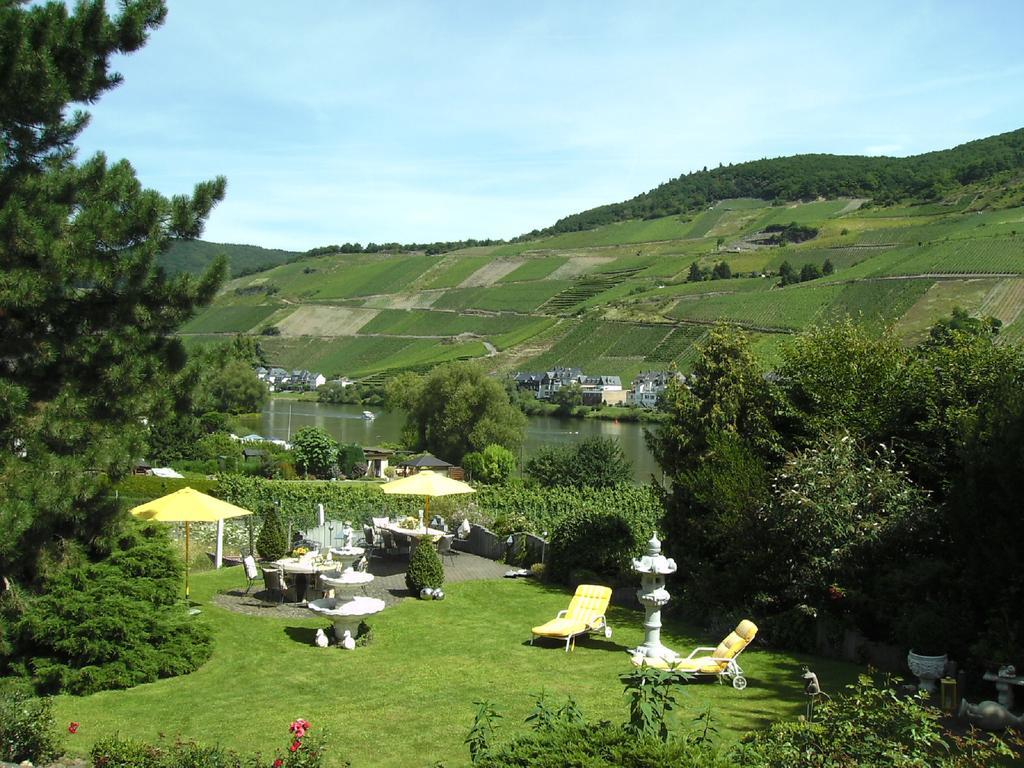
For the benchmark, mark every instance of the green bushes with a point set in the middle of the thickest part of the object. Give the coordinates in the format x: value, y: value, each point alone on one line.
x: 425, y: 568
x: 871, y: 727
x: 598, y: 745
x: 272, y: 542
x: 359, y: 501
x: 599, y: 540
x: 27, y: 728
x: 118, y: 752
x: 112, y: 624
x: 493, y: 465
x: 596, y: 462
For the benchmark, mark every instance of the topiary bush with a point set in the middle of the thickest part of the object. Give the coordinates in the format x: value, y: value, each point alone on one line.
x: 113, y: 623
x: 599, y: 540
x: 27, y: 728
x: 272, y: 542
x: 425, y: 569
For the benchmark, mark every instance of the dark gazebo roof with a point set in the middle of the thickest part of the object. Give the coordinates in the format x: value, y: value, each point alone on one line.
x: 426, y: 461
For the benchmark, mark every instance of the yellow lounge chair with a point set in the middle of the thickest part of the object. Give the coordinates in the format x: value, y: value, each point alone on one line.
x: 585, y: 614
x: 722, y: 661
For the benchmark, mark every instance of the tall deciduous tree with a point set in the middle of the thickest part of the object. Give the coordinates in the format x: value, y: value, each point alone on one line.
x: 85, y: 315
x: 456, y: 408
x: 316, y: 452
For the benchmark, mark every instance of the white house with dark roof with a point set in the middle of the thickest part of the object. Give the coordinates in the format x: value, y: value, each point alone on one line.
x: 649, y: 386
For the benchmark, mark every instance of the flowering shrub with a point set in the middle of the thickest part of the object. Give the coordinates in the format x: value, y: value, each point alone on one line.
x: 304, y: 751
x: 27, y: 728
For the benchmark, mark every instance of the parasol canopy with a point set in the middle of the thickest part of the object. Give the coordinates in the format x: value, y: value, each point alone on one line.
x: 427, y: 483
x: 187, y: 506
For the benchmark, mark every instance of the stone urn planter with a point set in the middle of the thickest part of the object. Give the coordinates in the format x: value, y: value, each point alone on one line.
x: 928, y: 670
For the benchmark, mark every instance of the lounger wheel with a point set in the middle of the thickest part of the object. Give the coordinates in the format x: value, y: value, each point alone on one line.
x: 739, y: 682
x: 607, y: 631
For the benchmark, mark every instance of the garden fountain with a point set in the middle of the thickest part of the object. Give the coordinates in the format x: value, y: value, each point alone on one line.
x: 653, y: 567
x: 346, y: 610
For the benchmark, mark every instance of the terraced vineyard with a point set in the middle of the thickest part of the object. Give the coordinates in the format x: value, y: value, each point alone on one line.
x: 616, y: 300
x: 586, y: 289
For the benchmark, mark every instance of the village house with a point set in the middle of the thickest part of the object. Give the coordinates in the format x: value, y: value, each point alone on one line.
x: 280, y: 380
x: 648, y: 387
x: 602, y: 390
x: 554, y: 380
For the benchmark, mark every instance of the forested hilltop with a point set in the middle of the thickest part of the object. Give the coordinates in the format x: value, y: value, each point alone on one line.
x: 195, y: 256
x: 882, y: 180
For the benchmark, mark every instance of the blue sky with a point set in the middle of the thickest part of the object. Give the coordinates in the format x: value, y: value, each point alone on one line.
x: 416, y: 121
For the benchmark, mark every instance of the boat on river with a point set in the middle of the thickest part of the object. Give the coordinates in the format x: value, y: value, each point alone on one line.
x: 369, y: 415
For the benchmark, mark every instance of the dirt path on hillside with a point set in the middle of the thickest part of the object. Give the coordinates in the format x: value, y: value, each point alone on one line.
x: 491, y: 273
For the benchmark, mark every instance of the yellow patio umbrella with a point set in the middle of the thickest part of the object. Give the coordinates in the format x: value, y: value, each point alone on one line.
x: 187, y: 506
x: 427, y: 483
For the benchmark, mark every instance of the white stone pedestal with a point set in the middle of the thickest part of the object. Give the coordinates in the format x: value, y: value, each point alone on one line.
x: 653, y: 567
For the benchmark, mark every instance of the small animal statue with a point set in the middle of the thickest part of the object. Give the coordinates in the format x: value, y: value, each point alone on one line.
x: 347, y: 641
x: 990, y: 715
x: 813, y: 690
x: 321, y: 639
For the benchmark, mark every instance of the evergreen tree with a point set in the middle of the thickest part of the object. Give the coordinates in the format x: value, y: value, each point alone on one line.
x: 85, y: 316
x: 809, y: 272
x: 787, y: 275
x: 272, y: 542
x: 695, y: 275
x: 827, y: 268
x: 721, y: 271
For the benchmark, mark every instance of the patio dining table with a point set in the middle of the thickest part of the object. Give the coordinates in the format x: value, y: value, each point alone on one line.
x: 412, y: 535
x: 302, y: 568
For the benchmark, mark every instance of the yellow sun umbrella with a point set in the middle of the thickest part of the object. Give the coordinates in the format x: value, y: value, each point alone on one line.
x: 187, y: 506
x: 427, y: 483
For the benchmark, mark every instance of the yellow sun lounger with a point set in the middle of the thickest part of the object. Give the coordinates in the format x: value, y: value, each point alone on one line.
x: 585, y: 614
x: 722, y: 661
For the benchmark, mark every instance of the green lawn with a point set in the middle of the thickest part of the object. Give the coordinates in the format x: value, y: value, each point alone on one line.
x: 407, y: 698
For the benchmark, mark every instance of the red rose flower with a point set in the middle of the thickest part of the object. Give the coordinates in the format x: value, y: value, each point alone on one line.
x: 295, y: 745
x: 278, y: 763
x: 73, y: 728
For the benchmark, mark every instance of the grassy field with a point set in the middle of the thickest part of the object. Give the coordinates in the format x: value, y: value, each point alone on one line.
x: 407, y: 698
x: 630, y: 275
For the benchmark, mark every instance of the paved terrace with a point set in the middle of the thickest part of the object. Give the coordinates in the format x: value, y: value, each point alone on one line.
x: 388, y: 585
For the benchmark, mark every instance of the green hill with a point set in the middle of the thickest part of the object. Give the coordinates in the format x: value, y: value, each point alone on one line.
x: 195, y: 256
x: 618, y: 298
x: 805, y: 177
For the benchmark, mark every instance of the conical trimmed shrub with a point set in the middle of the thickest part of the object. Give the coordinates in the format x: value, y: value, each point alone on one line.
x: 425, y: 568
x: 272, y: 543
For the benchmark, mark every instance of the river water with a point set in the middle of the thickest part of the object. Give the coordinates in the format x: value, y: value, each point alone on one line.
x: 345, y: 423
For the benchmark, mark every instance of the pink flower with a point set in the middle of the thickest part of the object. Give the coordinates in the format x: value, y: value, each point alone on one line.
x: 73, y: 728
x: 295, y: 745
x: 299, y: 728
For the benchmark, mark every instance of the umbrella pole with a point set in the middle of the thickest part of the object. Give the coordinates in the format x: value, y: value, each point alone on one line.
x: 186, y: 562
